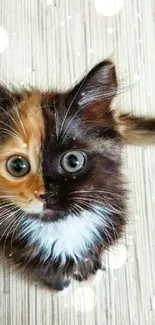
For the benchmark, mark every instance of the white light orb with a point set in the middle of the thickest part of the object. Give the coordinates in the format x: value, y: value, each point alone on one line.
x: 116, y: 257
x: 84, y: 299
x: 109, y: 7
x: 110, y: 30
x: 3, y: 39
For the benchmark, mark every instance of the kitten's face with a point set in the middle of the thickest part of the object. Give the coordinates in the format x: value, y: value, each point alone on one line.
x: 60, y: 153
x: 20, y: 176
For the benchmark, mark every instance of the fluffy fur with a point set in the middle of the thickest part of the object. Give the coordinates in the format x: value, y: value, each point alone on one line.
x: 58, y: 222
x: 54, y: 237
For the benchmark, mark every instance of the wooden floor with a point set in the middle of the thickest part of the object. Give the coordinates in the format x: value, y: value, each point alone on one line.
x: 52, y: 43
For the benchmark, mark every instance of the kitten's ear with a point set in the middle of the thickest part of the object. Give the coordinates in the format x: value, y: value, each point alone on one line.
x: 97, y: 89
x: 6, y: 97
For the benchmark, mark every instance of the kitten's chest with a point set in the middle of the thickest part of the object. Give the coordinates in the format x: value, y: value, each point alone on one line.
x: 72, y: 237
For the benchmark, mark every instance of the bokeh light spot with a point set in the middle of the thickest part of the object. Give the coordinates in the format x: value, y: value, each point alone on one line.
x: 84, y: 299
x: 110, y: 7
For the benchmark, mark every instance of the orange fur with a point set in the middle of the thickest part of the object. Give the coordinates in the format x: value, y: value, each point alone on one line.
x: 30, y: 129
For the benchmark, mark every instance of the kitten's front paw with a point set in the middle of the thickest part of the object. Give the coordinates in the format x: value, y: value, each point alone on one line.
x: 97, y: 266
x: 58, y: 285
x: 62, y: 284
x: 83, y: 275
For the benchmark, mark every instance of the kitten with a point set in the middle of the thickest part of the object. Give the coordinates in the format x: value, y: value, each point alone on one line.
x: 62, y: 196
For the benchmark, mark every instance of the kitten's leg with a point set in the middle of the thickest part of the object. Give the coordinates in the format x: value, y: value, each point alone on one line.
x: 87, y: 269
x: 51, y: 274
x: 56, y: 281
x: 137, y: 130
x: 57, y: 284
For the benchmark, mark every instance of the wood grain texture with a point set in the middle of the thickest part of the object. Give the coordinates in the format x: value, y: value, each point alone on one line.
x: 52, y: 43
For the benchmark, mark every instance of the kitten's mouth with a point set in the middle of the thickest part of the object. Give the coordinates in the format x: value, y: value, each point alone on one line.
x: 53, y: 214
x: 46, y: 214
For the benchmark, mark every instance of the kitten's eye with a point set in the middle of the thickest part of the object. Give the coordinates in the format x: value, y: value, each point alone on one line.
x: 73, y: 161
x: 18, y: 166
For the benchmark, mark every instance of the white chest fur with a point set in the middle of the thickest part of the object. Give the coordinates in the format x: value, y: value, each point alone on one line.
x: 69, y: 237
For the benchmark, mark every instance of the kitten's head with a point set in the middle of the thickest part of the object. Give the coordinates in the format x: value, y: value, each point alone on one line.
x: 60, y: 153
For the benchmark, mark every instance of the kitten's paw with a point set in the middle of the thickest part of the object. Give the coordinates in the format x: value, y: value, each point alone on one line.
x: 61, y: 285
x: 58, y: 285
x: 97, y: 266
x: 84, y: 276
x: 79, y: 277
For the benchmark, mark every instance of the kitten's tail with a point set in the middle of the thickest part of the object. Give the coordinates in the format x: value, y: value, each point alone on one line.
x: 137, y: 130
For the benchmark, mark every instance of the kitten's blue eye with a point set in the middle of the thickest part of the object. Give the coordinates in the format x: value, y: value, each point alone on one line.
x: 18, y: 166
x: 73, y: 161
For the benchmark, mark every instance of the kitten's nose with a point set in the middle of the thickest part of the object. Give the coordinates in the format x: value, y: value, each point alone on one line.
x: 43, y: 196
x: 47, y: 198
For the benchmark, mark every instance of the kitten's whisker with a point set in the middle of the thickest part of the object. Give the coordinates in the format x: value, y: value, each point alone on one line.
x: 95, y: 190
x: 56, y: 117
x: 88, y: 206
x: 65, y: 134
x: 92, y: 191
x: 5, y: 215
x: 91, y: 199
x: 4, y: 206
x: 4, y: 219
x: 8, y: 231
x: 11, y: 102
x: 11, y: 134
x: 74, y: 209
x: 9, y: 206
x: 20, y: 216
x: 13, y: 219
x: 97, y: 196
x: 20, y: 120
x: 71, y: 119
x: 8, y: 132
x: 5, y: 203
x: 51, y: 195
x: 14, y: 121
x: 81, y: 131
x: 11, y: 128
x: 70, y: 106
x: 78, y: 207
x: 92, y: 208
x: 107, y: 226
x: 85, y: 204
x: 8, y: 196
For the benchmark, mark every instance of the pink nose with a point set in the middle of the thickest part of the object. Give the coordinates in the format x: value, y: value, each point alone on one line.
x: 40, y: 195
x: 43, y: 196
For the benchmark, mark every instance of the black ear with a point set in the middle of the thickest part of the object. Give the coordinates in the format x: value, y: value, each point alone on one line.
x: 6, y: 98
x: 98, y: 86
